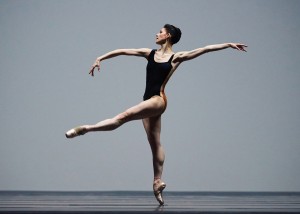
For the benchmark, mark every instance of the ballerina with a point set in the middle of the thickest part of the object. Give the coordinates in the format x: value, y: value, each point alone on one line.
x: 161, y: 65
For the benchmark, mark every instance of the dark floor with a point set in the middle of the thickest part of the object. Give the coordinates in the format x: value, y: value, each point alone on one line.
x: 144, y: 202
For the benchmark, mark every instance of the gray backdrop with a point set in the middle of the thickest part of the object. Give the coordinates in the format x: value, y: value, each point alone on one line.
x: 232, y: 122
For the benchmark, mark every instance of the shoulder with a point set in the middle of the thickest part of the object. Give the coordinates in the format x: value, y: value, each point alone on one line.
x: 144, y: 51
x: 177, y: 56
x: 150, y: 52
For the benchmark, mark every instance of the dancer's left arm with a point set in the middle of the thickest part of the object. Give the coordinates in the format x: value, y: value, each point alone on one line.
x: 188, y: 55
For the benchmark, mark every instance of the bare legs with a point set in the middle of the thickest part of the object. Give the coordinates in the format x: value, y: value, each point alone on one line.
x: 149, y: 108
x: 150, y: 111
x: 152, y: 127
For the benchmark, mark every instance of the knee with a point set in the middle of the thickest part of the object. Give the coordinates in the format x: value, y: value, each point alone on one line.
x: 122, y: 118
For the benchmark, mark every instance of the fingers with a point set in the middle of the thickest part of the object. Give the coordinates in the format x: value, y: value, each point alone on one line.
x: 96, y: 64
x: 92, y: 72
x: 240, y: 47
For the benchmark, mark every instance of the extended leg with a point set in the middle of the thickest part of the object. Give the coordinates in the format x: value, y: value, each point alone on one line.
x: 152, y: 107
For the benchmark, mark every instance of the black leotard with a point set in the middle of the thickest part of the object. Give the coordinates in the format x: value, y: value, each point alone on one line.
x: 156, y: 75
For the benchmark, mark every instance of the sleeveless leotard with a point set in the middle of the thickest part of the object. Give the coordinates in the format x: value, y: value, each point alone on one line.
x: 156, y: 75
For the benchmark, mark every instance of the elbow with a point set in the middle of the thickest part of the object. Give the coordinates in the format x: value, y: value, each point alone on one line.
x: 207, y: 49
x: 119, y: 51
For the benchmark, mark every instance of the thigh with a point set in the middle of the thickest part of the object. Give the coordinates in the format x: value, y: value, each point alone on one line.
x: 146, y: 109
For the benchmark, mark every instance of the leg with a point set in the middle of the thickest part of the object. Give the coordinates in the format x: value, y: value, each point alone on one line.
x: 152, y: 127
x: 149, y: 108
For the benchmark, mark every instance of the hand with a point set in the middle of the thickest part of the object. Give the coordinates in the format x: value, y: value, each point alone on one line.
x: 95, y: 65
x: 238, y: 46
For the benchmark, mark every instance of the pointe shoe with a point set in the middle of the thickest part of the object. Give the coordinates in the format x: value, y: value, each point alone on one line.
x: 158, y: 187
x: 75, y: 132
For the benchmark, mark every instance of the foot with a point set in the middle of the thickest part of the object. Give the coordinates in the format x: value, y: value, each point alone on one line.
x: 158, y: 187
x: 75, y: 132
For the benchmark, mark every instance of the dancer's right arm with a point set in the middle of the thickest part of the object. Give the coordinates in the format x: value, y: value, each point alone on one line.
x: 143, y: 52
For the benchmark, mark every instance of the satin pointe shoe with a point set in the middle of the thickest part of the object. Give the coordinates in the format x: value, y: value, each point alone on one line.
x: 75, y: 132
x: 158, y: 187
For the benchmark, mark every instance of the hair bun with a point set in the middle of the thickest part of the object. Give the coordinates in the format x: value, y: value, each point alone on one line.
x: 175, y: 33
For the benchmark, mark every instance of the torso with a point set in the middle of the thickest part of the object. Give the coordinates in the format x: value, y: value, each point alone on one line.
x: 158, y: 73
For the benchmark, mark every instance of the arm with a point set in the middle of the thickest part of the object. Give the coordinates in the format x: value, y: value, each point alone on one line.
x: 188, y: 55
x: 142, y: 52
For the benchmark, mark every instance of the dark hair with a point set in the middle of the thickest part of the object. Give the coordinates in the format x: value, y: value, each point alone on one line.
x: 175, y: 33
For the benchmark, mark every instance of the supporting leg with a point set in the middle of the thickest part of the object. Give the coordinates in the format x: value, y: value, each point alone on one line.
x: 153, y: 128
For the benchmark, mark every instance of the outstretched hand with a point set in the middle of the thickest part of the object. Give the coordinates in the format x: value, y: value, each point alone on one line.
x: 238, y: 46
x: 95, y: 65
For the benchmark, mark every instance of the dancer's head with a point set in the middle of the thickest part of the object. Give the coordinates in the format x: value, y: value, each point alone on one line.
x: 169, y: 33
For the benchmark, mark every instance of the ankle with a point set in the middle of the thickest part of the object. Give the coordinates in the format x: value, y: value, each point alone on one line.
x: 85, y: 128
x: 156, y: 179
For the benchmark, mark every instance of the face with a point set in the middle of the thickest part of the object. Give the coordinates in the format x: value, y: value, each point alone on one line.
x: 162, y: 36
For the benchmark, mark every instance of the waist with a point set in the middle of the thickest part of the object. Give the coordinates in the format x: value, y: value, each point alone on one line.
x: 149, y: 95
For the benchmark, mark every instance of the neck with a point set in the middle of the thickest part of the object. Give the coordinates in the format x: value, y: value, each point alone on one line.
x: 166, y: 48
